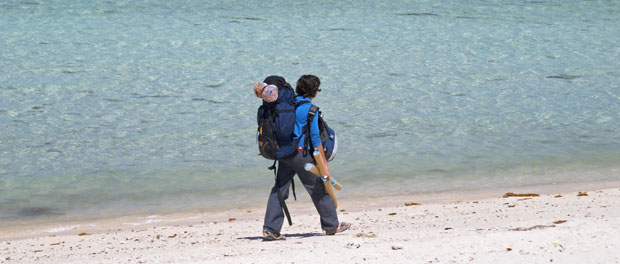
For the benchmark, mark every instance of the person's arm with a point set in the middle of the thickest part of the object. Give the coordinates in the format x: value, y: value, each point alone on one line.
x: 315, y: 137
x: 321, y: 163
x: 315, y: 134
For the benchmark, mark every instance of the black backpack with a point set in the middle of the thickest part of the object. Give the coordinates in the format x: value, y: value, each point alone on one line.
x: 276, y: 122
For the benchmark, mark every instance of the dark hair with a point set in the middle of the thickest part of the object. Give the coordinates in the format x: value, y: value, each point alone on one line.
x: 308, y: 85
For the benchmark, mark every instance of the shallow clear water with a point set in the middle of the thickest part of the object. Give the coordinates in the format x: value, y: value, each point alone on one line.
x: 121, y: 107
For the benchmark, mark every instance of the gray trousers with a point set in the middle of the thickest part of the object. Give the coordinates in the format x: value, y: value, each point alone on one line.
x: 274, y: 217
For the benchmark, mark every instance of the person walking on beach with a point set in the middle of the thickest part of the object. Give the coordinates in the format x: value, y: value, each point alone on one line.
x: 307, y: 89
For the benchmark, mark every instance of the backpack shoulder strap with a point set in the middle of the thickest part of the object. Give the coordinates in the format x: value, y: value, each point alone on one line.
x: 280, y: 196
x: 311, y: 114
x: 302, y: 103
x: 313, y: 110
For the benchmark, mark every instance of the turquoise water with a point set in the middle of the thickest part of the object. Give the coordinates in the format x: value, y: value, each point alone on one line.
x: 122, y: 107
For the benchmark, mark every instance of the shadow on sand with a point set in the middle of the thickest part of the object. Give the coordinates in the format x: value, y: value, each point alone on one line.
x: 297, y: 235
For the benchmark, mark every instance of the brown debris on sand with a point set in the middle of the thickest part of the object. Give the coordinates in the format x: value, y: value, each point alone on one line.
x: 83, y: 234
x: 410, y: 204
x: 531, y: 227
x: 559, y: 222
x: 520, y: 195
x: 371, y: 234
x: 582, y: 194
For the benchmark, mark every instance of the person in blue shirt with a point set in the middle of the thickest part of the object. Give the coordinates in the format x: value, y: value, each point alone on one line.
x: 301, y: 116
x: 307, y: 89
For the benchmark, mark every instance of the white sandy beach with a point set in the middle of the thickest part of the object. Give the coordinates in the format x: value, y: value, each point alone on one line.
x: 566, y: 224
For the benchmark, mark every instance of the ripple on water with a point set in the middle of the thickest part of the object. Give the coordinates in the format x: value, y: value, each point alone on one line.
x: 563, y: 76
x: 208, y: 100
x: 416, y: 14
x: 382, y: 135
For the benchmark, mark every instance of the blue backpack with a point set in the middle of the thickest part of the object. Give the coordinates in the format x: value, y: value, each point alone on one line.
x: 276, y: 122
x: 328, y: 135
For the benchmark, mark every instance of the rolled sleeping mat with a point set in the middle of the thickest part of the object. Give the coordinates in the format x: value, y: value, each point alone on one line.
x: 320, y: 160
x: 314, y: 170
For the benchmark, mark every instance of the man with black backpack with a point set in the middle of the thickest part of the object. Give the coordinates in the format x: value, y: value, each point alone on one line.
x: 286, y: 136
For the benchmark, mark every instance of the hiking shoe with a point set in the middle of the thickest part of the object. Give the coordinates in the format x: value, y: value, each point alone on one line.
x: 271, y: 236
x: 341, y: 228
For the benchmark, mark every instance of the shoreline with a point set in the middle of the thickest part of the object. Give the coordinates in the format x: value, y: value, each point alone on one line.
x: 566, y: 222
x: 302, y: 205
x: 475, y: 185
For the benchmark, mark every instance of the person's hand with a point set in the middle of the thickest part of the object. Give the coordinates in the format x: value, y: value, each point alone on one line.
x: 257, y: 90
